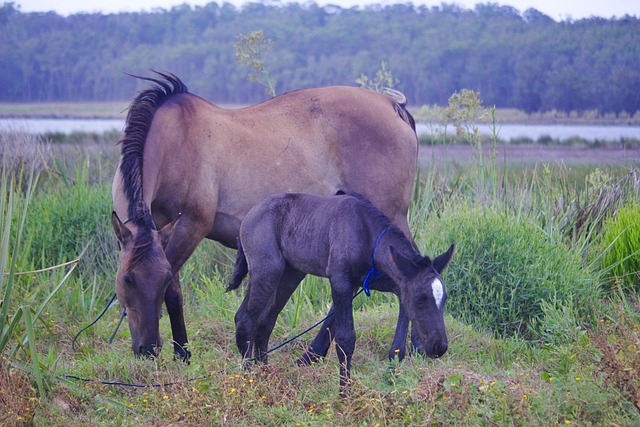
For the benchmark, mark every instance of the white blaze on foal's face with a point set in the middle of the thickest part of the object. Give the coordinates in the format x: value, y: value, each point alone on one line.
x: 438, y: 292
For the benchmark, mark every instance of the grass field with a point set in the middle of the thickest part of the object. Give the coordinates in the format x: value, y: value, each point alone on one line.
x: 543, y: 328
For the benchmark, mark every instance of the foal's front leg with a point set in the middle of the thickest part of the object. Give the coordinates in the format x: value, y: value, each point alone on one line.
x: 345, y: 334
x: 319, y: 347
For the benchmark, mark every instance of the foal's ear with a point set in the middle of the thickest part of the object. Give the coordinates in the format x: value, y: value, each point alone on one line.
x: 441, y: 262
x: 122, y: 232
x: 167, y: 231
x: 404, y: 264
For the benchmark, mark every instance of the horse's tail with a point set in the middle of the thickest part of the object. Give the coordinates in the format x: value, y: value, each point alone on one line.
x: 400, y: 106
x: 240, y: 269
x: 138, y: 122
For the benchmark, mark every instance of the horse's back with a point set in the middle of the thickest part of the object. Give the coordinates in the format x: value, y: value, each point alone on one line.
x: 310, y: 141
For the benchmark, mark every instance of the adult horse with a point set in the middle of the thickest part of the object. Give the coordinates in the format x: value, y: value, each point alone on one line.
x: 191, y: 170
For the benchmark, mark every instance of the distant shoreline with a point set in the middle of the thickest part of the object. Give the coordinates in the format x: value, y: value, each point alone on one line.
x: 464, y: 154
x: 118, y: 110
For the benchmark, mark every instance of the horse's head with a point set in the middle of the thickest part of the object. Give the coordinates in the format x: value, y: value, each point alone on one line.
x: 423, y: 295
x: 142, y: 279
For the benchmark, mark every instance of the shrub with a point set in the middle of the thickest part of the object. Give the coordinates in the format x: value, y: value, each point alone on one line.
x: 620, y: 246
x: 505, y: 275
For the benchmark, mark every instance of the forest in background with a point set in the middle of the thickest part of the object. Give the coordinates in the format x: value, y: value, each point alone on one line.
x: 514, y: 59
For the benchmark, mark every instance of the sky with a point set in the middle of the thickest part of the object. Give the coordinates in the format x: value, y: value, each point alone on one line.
x: 559, y: 10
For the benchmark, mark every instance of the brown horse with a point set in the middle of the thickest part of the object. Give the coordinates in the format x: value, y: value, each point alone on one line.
x: 191, y: 170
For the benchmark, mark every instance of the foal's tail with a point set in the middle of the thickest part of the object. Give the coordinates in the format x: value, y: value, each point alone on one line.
x: 240, y: 269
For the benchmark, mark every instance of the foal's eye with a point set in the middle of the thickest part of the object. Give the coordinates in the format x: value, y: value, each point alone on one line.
x: 422, y: 300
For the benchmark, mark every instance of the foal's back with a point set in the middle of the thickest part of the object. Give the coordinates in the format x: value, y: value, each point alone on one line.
x: 310, y: 231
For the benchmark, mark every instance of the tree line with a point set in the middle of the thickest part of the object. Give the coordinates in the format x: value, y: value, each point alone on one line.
x: 523, y: 60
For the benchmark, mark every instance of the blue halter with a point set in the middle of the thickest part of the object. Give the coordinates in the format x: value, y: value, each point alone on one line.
x: 372, y: 274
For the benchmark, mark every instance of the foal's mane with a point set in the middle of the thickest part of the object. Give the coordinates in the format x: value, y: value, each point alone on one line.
x: 376, y: 215
x: 139, y: 117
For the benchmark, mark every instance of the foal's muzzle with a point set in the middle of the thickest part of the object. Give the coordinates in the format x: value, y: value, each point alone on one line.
x: 438, y: 349
x: 149, y: 350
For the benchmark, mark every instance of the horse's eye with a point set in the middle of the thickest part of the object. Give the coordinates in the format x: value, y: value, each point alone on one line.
x: 128, y: 280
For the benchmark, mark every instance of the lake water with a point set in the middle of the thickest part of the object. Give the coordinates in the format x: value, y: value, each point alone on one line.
x: 61, y: 125
x: 561, y: 132
x: 505, y: 132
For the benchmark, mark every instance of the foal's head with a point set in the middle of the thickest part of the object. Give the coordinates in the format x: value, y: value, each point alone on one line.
x: 423, y: 295
x: 142, y: 280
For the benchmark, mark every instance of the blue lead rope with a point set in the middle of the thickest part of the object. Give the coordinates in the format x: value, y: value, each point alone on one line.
x: 373, y: 274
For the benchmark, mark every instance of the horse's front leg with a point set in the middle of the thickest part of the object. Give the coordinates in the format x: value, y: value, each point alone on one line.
x: 175, y: 308
x: 181, y: 243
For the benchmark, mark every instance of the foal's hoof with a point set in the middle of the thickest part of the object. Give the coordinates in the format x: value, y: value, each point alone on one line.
x: 183, y: 355
x: 397, y: 354
x: 308, y: 359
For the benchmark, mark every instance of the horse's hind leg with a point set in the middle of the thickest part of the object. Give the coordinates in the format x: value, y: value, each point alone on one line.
x: 289, y: 281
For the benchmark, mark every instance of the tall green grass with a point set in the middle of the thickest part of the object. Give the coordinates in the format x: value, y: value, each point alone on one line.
x: 620, y: 244
x: 532, y: 338
x: 20, y: 308
x: 505, y: 270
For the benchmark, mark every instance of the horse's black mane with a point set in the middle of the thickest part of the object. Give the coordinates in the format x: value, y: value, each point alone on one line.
x: 139, y: 117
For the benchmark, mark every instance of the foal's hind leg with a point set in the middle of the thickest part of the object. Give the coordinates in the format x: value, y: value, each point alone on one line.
x: 257, y: 309
x: 244, y: 329
x: 289, y: 281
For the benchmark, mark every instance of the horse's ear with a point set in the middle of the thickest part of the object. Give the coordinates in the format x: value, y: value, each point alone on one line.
x: 167, y: 231
x: 122, y: 232
x: 404, y: 264
x: 441, y: 262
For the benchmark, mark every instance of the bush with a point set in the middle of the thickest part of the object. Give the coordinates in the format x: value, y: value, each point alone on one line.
x: 506, y: 276
x: 620, y: 247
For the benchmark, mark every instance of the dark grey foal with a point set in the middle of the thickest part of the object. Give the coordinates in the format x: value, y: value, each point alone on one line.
x: 289, y: 235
